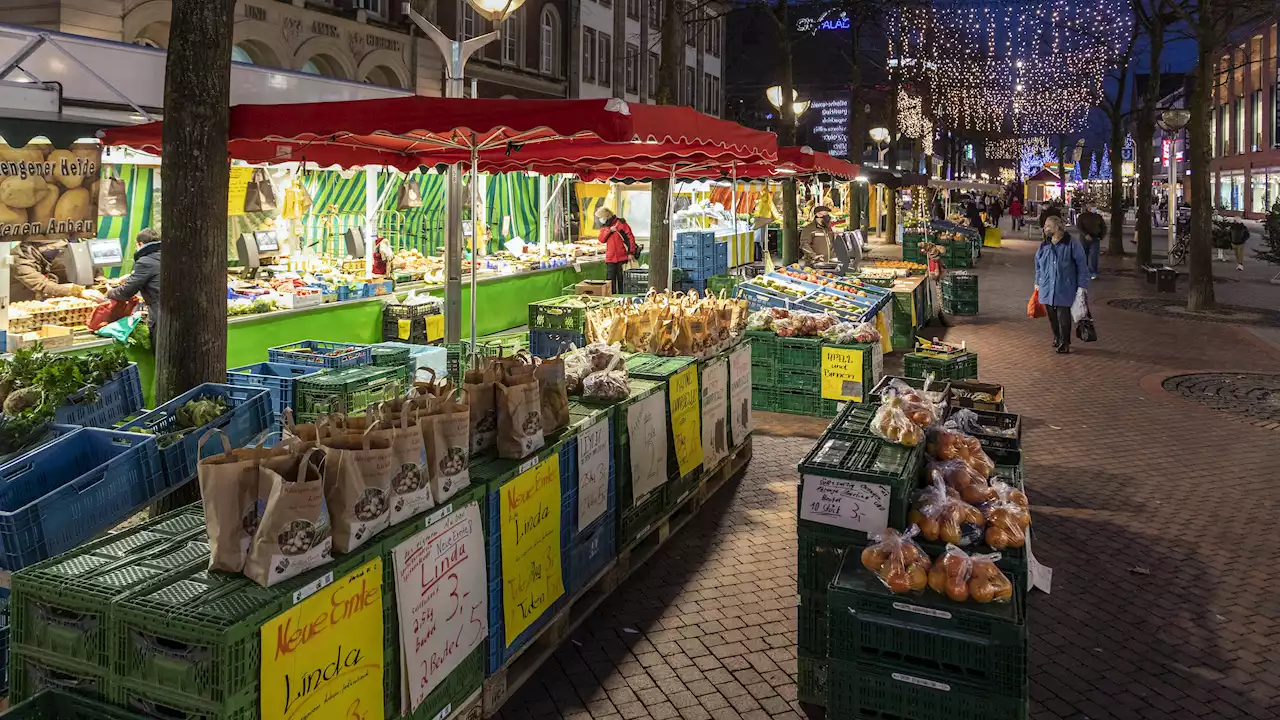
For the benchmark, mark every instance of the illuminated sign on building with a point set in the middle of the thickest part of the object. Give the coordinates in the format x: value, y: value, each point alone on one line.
x: 826, y: 21
x: 833, y: 125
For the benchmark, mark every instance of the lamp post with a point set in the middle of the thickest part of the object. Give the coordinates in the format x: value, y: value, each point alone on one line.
x: 880, y: 136
x: 1172, y: 121
x: 798, y: 107
x: 788, y: 239
x: 456, y: 53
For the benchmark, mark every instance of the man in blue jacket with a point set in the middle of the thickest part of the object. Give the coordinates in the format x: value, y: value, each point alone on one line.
x: 145, y: 278
x: 1062, y: 270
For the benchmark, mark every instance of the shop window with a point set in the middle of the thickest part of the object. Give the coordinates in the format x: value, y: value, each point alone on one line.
x: 1258, y: 196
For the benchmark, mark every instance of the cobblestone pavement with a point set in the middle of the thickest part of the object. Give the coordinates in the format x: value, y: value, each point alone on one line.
x: 1158, y: 515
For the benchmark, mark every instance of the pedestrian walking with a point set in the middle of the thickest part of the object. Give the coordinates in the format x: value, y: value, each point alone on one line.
x: 1239, y: 236
x: 995, y: 210
x: 1092, y: 229
x: 1015, y: 213
x: 1062, y: 272
x: 620, y: 245
x: 1050, y: 209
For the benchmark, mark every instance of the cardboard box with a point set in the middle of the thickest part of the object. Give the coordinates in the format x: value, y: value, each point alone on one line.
x: 599, y: 288
x: 53, y: 337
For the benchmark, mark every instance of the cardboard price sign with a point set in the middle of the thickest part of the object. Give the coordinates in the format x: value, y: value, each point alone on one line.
x: 322, y: 658
x: 530, y: 519
x: 715, y: 415
x: 49, y: 191
x: 842, y: 374
x: 849, y: 504
x: 593, y: 473
x: 686, y: 419
x: 647, y: 437
x: 740, y: 420
x: 441, y: 601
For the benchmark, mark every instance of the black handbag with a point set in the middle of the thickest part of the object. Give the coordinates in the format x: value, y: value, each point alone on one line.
x: 1085, y: 329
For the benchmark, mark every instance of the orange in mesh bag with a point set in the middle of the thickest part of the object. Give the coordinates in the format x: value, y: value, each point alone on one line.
x: 898, y: 561
x: 941, y: 515
x: 1008, y: 517
x: 963, y: 577
x: 951, y: 445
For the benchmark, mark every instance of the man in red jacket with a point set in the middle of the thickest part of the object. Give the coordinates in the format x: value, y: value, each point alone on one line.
x: 619, y: 245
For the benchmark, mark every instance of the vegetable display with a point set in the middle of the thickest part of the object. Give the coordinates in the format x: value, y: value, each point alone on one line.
x: 941, y: 515
x: 34, y: 384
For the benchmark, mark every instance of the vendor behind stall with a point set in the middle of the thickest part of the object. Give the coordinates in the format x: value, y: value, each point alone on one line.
x: 145, y: 278
x: 815, y: 238
x: 39, y: 269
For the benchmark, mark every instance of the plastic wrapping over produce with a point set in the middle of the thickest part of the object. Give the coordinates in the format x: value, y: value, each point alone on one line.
x: 898, y: 561
x: 963, y: 577
x: 941, y: 514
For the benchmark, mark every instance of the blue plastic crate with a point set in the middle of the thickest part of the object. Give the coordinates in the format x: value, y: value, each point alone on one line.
x: 69, y: 490
x: 549, y: 343
x: 344, y: 293
x: 119, y: 397
x: 249, y: 416
x: 296, y: 354
x: 591, y: 552
x: 277, y: 378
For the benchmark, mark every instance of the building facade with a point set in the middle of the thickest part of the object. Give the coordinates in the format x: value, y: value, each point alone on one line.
x: 1246, y: 125
x: 362, y: 40
x: 616, y: 49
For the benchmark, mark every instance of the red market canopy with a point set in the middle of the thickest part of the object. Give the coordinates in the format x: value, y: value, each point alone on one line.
x: 794, y: 160
x: 808, y: 161
x: 507, y: 135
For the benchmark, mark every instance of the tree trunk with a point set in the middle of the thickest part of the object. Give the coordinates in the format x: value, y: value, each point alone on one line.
x: 668, y: 83
x: 1062, y: 169
x: 857, y: 130
x: 1200, y: 264
x: 891, y: 194
x: 1115, y: 245
x: 191, y: 330
x: 1144, y: 156
x: 787, y: 137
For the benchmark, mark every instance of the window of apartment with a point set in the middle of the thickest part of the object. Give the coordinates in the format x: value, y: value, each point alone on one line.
x: 690, y: 86
x: 605, y: 77
x: 1240, y: 130
x: 706, y: 92
x: 655, y: 14
x: 1256, y: 126
x: 713, y: 35
x: 605, y: 3
x: 512, y: 38
x: 651, y: 76
x: 690, y: 26
x: 633, y: 9
x: 588, y: 54
x: 715, y: 96
x: 549, y: 40
x: 472, y: 22
x: 633, y: 68
x: 376, y: 7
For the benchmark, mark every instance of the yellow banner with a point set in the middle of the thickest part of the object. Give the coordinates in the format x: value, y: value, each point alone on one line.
x: 530, y: 519
x: 240, y: 177
x: 322, y: 659
x: 842, y: 374
x: 686, y: 419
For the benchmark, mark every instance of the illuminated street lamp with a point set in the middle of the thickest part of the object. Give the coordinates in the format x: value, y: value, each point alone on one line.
x: 798, y: 107
x: 1171, y: 121
x: 455, y: 54
x: 880, y: 136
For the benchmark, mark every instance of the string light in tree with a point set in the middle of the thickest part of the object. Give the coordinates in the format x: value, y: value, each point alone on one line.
x: 1003, y: 149
x: 912, y: 120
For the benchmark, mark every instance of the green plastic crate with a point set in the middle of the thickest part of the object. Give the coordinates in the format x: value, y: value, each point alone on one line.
x: 389, y: 355
x: 821, y: 549
x: 640, y: 389
x: 449, y: 695
x: 864, y: 458
x: 492, y: 346
x: 960, y: 285
x: 764, y: 399
x: 798, y: 353
x: 677, y: 490
x: 31, y: 672
x: 346, y: 390
x: 806, y: 381
x: 655, y: 367
x: 764, y: 376
x: 953, y: 306
x: 982, y: 644
x: 798, y: 403
x: 59, y: 605
x: 811, y: 679
x: 811, y: 626
x: 959, y: 367
x: 870, y: 690
x: 764, y: 347
x: 940, y: 390
x: 829, y: 408
x: 716, y: 283
x: 59, y: 705
x: 156, y: 703
x: 567, y: 312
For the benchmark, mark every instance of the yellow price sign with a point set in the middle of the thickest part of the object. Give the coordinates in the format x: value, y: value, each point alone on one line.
x: 239, y: 187
x: 402, y: 328
x: 530, y: 519
x: 322, y: 658
x: 435, y: 327
x: 686, y: 419
x: 842, y: 374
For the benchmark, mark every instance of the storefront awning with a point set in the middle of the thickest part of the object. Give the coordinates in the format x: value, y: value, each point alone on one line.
x: 507, y: 135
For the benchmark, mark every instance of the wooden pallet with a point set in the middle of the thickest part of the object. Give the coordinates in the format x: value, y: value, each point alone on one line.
x: 504, y: 683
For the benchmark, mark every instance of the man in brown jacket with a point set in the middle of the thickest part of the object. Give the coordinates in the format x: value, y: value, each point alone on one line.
x: 38, y: 270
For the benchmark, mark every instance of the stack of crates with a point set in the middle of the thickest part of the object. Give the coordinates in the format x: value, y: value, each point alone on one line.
x: 662, y: 369
x: 960, y: 293
x: 347, y: 390
x: 960, y: 252
x: 904, y: 330
x: 764, y: 370
x: 701, y: 257
x: 593, y: 546
x: 725, y: 283
x: 635, y: 281
x: 408, y: 323
x: 393, y: 354
x: 280, y: 379
x: 500, y: 345
x: 557, y: 323
x: 634, y: 515
x: 846, y: 453
x: 961, y: 365
x: 911, y: 247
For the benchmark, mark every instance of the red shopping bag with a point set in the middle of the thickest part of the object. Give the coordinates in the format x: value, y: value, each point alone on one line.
x: 111, y: 311
x: 1034, y: 308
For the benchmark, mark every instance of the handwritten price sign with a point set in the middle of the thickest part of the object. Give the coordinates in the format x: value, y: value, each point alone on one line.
x: 686, y: 419
x: 531, y: 576
x: 845, y: 503
x: 441, y: 601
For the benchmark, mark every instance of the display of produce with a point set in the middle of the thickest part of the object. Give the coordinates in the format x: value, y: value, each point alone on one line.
x: 824, y: 280
x: 1007, y: 517
x: 971, y: 485
x: 898, y: 561
x: 34, y: 385
x: 941, y: 515
x: 670, y: 324
x: 847, y: 333
x: 790, y: 323
x: 962, y: 577
x: 892, y: 423
x: 27, y: 315
x: 900, y: 267
x: 950, y: 445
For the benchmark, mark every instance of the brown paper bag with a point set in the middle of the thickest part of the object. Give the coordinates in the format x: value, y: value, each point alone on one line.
x: 519, y: 416
x: 446, y: 435
x: 478, y: 393
x: 229, y: 489
x: 357, y: 486
x: 294, y: 532
x: 410, y: 490
x: 553, y: 392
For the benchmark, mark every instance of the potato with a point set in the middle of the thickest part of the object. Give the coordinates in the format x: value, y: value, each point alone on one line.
x: 66, y: 180
x: 43, y: 209
x: 73, y: 205
x: 30, y: 153
x: 22, y: 193
x: 10, y: 215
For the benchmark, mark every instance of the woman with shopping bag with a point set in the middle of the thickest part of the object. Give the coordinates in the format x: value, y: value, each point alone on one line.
x: 1062, y: 273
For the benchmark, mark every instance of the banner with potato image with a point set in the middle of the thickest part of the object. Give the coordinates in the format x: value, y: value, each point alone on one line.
x: 48, y: 191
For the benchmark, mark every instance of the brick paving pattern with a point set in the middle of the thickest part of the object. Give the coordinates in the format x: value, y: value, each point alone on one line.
x: 1158, y: 515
